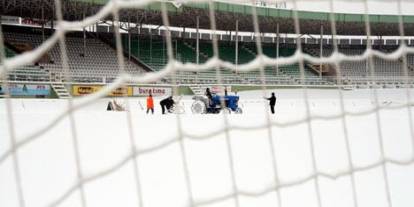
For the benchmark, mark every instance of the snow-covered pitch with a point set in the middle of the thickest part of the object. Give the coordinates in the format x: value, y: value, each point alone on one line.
x: 213, y: 160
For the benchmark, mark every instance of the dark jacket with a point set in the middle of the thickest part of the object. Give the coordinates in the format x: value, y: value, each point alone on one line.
x: 272, y: 100
x: 208, y: 94
x: 167, y: 102
x: 110, y: 107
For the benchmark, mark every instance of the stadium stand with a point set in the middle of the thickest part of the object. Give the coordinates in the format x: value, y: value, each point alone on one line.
x: 95, y: 62
x: 386, y: 72
x: 382, y: 68
x: 152, y: 51
x: 27, y: 73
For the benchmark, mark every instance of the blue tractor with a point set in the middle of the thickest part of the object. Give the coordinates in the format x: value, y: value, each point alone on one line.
x: 202, y: 105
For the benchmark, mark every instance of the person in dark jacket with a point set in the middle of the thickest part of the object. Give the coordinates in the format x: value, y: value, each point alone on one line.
x: 209, y: 96
x: 166, y: 104
x: 272, y: 102
x: 114, y: 106
x: 110, y: 106
x: 208, y: 93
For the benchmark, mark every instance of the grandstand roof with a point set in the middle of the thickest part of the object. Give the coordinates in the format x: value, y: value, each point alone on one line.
x: 226, y: 16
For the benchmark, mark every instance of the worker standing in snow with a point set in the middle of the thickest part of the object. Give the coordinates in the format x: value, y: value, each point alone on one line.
x: 272, y: 102
x: 150, y: 104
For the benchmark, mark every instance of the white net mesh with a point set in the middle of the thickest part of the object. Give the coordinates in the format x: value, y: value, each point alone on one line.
x: 235, y: 195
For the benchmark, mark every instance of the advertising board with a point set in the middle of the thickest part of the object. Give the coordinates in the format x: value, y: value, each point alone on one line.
x: 155, y: 91
x: 81, y: 90
x: 27, y: 90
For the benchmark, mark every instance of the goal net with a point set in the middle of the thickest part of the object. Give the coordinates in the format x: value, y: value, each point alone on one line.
x: 342, y: 134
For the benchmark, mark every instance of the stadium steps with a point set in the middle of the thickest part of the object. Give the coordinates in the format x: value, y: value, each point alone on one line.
x: 308, y: 65
x: 311, y: 51
x: 134, y: 60
x: 195, y: 50
x: 248, y: 50
x: 61, y: 90
x: 150, y: 52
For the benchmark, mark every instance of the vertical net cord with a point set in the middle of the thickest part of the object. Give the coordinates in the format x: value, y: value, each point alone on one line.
x: 171, y: 62
x: 321, y: 45
x: 305, y: 96
x: 377, y: 113
x: 137, y: 25
x: 11, y: 125
x: 131, y: 134
x: 225, y: 118
x: 236, y: 55
x: 67, y: 77
x: 406, y: 76
x: 342, y: 104
x: 277, y: 46
x: 129, y: 40
x: 267, y: 115
x: 197, y: 47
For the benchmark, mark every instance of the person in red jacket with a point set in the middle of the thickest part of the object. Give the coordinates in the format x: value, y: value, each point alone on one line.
x: 150, y: 104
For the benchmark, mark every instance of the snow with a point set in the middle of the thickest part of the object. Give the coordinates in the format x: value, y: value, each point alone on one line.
x: 48, y: 168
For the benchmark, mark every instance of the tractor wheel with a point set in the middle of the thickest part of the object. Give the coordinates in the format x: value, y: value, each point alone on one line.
x: 239, y: 111
x: 198, y: 107
x: 225, y: 110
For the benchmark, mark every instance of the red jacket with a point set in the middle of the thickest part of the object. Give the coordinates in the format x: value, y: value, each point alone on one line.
x: 150, y: 102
